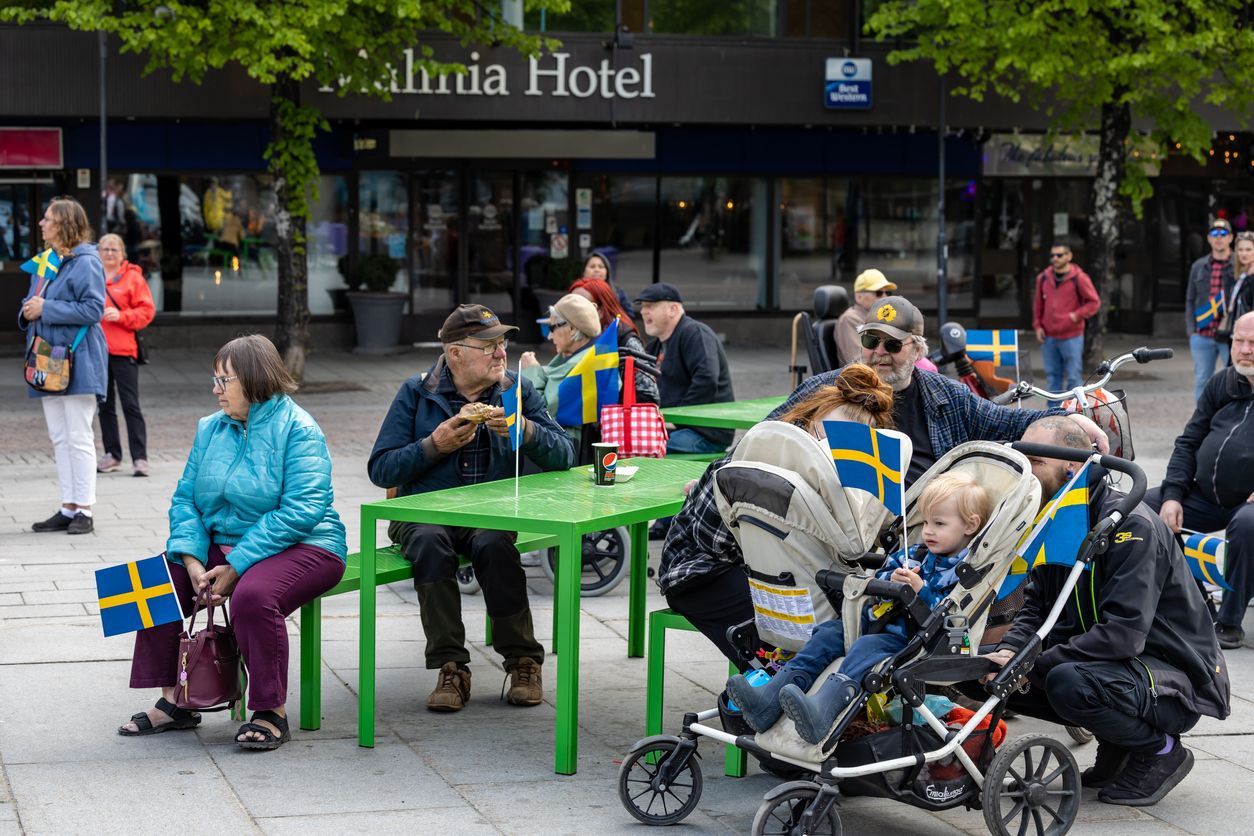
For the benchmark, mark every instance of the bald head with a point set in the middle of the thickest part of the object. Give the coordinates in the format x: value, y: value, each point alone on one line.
x: 1057, y: 431
x: 1243, y: 346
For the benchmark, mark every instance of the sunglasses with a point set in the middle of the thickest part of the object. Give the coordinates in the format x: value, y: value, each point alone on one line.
x: 1219, y: 233
x: 872, y: 341
x: 1057, y: 255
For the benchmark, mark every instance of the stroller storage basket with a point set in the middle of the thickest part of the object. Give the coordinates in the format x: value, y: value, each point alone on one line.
x: 937, y: 785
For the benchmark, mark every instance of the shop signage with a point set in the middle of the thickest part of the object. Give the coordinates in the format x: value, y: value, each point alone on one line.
x: 30, y: 148
x: 847, y: 84
x: 1036, y: 155
x: 555, y: 75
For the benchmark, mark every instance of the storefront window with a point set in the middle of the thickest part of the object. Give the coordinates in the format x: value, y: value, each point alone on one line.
x: 327, y: 231
x: 588, y: 16
x: 623, y: 225
x: 490, y: 241
x: 383, y: 198
x: 437, y: 224
x: 713, y: 17
x: 713, y: 245
x: 814, y: 18
x: 806, y: 236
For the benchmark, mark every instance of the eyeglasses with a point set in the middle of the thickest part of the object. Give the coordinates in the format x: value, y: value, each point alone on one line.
x: 489, y: 349
x: 872, y: 341
x: 221, y: 382
x: 1219, y: 233
x: 1058, y: 255
x: 109, y: 249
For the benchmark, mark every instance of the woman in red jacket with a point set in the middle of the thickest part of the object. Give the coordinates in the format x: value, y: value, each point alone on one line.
x: 128, y: 308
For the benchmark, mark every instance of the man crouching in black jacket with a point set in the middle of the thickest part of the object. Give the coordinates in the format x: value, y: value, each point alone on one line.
x: 1133, y: 657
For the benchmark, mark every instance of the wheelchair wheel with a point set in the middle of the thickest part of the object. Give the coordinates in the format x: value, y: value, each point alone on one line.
x: 644, y: 792
x: 781, y: 815
x: 606, y: 558
x: 1079, y: 734
x: 1032, y: 786
x: 466, y: 580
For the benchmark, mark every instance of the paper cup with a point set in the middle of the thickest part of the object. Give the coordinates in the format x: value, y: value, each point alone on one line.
x: 605, y: 463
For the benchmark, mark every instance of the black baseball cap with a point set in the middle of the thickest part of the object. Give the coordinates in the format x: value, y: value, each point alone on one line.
x: 895, y: 316
x: 660, y: 292
x: 473, y: 321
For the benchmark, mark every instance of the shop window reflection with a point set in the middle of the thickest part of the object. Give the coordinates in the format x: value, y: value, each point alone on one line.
x: 327, y: 231
x: 623, y: 227
x: 713, y: 240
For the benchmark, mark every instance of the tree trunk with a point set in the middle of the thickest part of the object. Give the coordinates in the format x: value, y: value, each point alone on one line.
x: 1105, y: 218
x: 292, y: 326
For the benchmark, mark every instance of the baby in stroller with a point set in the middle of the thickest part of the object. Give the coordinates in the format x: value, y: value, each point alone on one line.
x: 954, y: 508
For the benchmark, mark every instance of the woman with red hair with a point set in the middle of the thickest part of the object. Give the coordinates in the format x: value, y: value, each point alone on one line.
x: 602, y: 295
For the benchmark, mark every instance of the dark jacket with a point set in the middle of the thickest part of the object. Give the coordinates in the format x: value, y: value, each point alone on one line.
x: 1198, y: 289
x: 694, y: 370
x: 405, y: 457
x: 1215, y: 453
x: 1149, y: 613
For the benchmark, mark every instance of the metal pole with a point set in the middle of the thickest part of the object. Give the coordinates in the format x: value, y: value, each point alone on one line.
x: 942, y: 249
x: 104, y: 158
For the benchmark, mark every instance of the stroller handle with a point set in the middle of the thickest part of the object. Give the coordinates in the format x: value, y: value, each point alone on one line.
x: 1050, y: 451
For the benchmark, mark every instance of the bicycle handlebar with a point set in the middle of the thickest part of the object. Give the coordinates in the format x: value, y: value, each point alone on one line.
x: 1107, y: 369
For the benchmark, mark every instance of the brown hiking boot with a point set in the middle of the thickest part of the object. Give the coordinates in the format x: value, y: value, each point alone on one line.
x: 525, y: 686
x: 452, y: 689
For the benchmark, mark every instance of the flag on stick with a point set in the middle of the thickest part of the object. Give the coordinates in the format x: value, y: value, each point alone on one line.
x: 137, y: 595
x: 871, y: 460
x: 1056, y: 535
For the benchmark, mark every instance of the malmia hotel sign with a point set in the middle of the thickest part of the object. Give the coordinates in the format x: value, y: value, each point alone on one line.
x: 553, y: 75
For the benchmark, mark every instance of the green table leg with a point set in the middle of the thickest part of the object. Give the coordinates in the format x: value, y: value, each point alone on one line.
x: 735, y: 759
x: 566, y: 603
x: 311, y: 665
x: 636, y: 591
x: 656, y: 674
x: 366, y: 612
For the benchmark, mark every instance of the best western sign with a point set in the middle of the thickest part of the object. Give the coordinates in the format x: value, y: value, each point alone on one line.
x: 554, y: 75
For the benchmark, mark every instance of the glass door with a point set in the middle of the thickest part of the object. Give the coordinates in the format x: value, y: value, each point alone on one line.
x: 437, y: 233
x: 490, y: 241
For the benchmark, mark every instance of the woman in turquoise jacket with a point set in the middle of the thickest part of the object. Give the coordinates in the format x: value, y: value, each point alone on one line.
x: 252, y: 519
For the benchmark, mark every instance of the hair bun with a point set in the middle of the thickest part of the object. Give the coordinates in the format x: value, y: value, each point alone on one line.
x: 859, y: 384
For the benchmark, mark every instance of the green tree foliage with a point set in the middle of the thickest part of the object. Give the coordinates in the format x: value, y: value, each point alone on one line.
x: 349, y: 44
x: 1144, y: 73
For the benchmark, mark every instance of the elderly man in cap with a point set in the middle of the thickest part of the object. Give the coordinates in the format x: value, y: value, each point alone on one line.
x: 447, y: 428
x: 1210, y: 277
x: 870, y: 286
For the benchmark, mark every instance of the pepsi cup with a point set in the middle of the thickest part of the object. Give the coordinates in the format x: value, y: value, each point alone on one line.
x: 605, y: 463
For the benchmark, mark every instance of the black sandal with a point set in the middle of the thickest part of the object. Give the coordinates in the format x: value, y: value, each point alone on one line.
x: 270, y: 741
x: 180, y: 720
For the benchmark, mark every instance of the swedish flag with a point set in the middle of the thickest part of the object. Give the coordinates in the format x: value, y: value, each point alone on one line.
x: 1210, y: 313
x: 45, y: 265
x: 137, y: 595
x: 1056, y: 535
x: 999, y: 347
x: 592, y: 383
x: 870, y: 460
x: 1203, y: 553
x: 509, y: 400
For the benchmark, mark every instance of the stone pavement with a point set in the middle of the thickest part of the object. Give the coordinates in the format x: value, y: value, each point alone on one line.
x: 486, y: 770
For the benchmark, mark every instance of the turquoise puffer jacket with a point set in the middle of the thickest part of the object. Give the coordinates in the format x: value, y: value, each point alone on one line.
x: 261, y: 488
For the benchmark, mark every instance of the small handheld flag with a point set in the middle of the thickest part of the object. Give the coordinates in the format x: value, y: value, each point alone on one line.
x: 1204, y: 553
x: 136, y: 595
x: 871, y: 460
x: 1001, y: 348
x: 1210, y: 312
x: 592, y: 383
x: 1056, y: 535
x: 509, y: 400
x: 44, y: 265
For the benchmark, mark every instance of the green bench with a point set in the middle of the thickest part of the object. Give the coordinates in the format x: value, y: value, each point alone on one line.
x: 391, y: 566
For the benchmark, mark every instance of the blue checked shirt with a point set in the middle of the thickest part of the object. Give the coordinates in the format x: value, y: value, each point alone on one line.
x: 699, y: 544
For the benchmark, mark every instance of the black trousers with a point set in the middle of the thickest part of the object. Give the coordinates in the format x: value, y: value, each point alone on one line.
x: 715, y: 604
x: 123, y: 384
x: 1111, y: 699
x: 434, y: 550
x: 1202, y: 515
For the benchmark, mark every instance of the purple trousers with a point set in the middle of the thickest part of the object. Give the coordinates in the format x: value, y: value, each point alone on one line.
x: 268, y: 592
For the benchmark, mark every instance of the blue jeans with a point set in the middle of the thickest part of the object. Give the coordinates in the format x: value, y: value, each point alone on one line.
x: 1062, y: 360
x: 1205, y: 352
x: 686, y: 440
x: 827, y: 644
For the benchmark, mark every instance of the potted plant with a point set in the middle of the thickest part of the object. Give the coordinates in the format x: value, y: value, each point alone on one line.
x: 377, y: 311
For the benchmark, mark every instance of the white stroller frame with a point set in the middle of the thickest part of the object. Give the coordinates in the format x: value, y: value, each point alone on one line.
x: 811, y: 804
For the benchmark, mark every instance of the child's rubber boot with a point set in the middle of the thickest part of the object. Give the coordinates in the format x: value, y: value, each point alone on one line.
x: 760, y: 706
x: 813, y: 716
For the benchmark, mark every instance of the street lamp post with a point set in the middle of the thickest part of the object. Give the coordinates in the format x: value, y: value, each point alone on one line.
x: 104, y: 159
x: 942, y: 248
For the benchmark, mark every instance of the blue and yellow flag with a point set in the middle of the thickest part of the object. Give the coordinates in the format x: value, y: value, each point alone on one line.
x: 509, y: 400
x: 870, y: 460
x: 999, y: 347
x: 1211, y: 312
x: 591, y: 384
x: 1056, y: 535
x: 136, y: 595
x: 44, y: 265
x: 1203, y: 553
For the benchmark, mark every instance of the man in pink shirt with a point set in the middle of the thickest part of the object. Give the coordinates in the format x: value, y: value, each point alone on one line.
x: 1064, y: 299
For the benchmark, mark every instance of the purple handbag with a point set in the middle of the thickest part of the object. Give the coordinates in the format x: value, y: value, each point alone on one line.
x: 209, y: 674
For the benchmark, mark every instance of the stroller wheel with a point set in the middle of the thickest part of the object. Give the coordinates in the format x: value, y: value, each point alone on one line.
x: 606, y: 557
x: 1031, y: 786
x: 783, y: 814
x: 1079, y: 734
x: 467, y: 583
x: 653, y: 790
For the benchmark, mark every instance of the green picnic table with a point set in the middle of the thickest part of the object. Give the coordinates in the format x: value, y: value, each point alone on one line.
x: 563, y: 503
x: 733, y: 415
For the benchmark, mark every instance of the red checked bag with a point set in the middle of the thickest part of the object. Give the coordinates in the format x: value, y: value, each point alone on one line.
x: 637, y: 428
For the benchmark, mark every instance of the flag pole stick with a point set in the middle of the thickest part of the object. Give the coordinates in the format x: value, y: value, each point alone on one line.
x: 516, y: 432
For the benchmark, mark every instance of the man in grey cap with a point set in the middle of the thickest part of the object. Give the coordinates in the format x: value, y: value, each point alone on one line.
x: 444, y: 429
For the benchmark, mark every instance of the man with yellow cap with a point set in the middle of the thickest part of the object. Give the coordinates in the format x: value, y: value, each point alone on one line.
x: 867, y: 288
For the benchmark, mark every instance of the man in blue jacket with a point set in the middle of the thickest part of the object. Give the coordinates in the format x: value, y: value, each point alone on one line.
x: 447, y: 428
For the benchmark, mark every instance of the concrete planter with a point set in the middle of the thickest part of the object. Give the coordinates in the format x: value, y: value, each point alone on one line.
x: 378, y: 320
